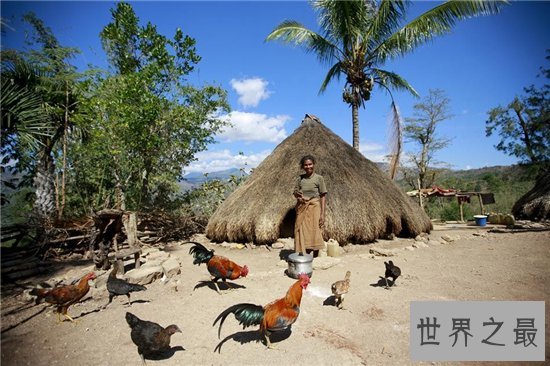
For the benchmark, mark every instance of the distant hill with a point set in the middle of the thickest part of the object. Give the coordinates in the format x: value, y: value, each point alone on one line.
x: 195, y: 179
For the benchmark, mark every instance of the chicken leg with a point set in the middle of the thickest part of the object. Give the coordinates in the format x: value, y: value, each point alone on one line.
x: 340, y: 302
x: 268, y: 341
x: 215, y: 282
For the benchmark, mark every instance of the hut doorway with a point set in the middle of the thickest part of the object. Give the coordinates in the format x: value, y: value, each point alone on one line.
x: 286, y: 230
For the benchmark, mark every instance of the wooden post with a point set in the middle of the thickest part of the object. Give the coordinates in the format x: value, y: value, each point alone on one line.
x: 460, y: 203
x: 481, y: 204
x: 420, y: 194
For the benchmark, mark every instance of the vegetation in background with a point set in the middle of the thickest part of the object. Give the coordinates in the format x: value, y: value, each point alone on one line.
x: 145, y: 121
x: 37, y: 148
x: 105, y: 138
x: 421, y: 130
x: 508, y: 183
x: 524, y: 124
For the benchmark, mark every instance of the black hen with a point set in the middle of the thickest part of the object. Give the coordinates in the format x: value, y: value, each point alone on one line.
x: 150, y: 338
x: 117, y: 286
x: 391, y: 271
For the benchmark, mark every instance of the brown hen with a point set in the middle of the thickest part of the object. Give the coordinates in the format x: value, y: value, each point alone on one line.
x: 339, y: 288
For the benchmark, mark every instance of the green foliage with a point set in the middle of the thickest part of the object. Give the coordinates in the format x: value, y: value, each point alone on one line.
x: 144, y: 122
x: 523, y: 125
x: 205, y: 199
x: 507, y: 183
x: 117, y: 136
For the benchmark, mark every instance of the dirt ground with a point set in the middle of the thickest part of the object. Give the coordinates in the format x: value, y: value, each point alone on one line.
x: 372, y: 329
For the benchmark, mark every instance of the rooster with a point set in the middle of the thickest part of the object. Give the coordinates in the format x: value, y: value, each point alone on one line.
x: 150, y: 338
x: 275, y: 316
x: 218, y: 266
x: 339, y: 288
x: 117, y: 286
x: 391, y: 271
x: 64, y: 296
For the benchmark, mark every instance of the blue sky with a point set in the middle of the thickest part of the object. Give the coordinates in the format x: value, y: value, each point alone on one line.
x: 483, y: 63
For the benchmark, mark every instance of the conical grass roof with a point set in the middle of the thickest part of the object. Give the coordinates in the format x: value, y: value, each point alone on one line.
x: 363, y: 204
x: 535, y: 204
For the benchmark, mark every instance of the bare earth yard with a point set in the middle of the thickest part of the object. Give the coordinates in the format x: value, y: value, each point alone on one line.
x: 372, y: 329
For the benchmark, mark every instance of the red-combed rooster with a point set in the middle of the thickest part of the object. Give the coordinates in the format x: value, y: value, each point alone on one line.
x: 218, y: 266
x: 64, y: 296
x: 275, y: 316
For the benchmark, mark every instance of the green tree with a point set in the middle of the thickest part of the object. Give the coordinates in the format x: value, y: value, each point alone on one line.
x: 45, y: 73
x: 358, y: 37
x: 146, y: 121
x: 421, y: 130
x: 524, y: 124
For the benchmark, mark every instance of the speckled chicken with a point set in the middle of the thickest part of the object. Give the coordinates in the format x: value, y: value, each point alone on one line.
x: 339, y: 288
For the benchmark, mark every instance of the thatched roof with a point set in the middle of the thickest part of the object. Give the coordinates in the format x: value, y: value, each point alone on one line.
x: 535, y: 204
x: 363, y: 204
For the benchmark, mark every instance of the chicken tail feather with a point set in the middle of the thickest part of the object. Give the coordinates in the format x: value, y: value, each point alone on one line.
x: 246, y: 314
x: 135, y: 287
x: 200, y: 253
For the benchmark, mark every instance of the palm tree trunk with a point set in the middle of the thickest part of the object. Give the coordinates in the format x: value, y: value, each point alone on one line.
x: 355, y: 119
x: 44, y: 204
x: 63, y: 172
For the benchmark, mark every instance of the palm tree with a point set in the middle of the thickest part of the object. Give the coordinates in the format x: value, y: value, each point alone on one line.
x: 359, y: 37
x: 27, y: 128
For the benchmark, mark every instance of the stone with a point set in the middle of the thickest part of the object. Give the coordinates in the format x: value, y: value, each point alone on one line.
x: 144, y: 275
x: 146, y: 251
x: 101, y: 280
x: 447, y: 238
x: 277, y: 245
x: 154, y: 262
x: 171, y: 267
x: 236, y: 246
x: 160, y: 255
x: 383, y: 252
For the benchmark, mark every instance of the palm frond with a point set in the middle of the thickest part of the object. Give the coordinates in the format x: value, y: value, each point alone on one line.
x: 334, y: 72
x: 386, y: 20
x: 22, y: 112
x: 295, y: 33
x: 342, y: 21
x: 392, y: 80
x: 433, y: 23
x: 395, y: 140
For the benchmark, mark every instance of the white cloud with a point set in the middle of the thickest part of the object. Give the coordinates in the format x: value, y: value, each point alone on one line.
x: 374, y: 152
x: 213, y: 161
x: 254, y: 127
x: 250, y: 91
x: 468, y: 167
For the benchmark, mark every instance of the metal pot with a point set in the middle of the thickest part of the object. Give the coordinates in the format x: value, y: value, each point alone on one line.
x: 299, y: 264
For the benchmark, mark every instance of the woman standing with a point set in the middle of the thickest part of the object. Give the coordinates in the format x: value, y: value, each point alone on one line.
x: 310, y: 192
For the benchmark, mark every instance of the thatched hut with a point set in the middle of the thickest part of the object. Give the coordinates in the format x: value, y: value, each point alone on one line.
x: 535, y: 204
x: 363, y: 204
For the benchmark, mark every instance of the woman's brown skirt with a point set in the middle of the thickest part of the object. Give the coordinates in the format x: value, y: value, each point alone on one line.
x: 307, y: 233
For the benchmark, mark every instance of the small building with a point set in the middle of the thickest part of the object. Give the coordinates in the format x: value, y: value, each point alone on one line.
x: 363, y: 204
